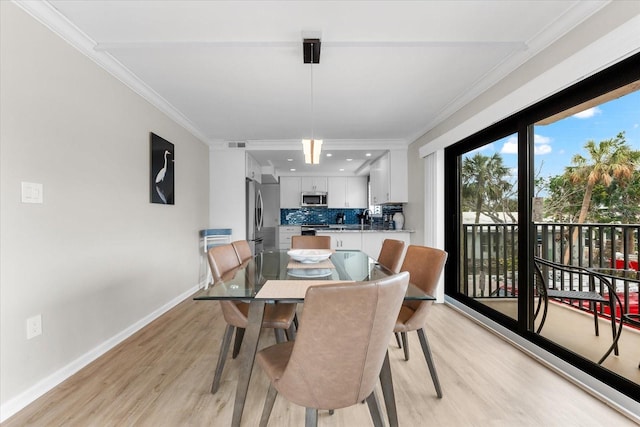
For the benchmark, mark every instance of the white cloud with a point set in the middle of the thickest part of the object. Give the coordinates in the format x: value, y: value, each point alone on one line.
x: 587, y: 114
x: 510, y: 146
x: 542, y: 149
x: 542, y: 144
x: 540, y: 139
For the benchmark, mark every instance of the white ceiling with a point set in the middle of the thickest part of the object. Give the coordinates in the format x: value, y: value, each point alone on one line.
x: 389, y: 70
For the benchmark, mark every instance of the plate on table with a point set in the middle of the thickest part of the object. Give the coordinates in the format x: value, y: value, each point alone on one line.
x: 309, y: 272
x: 308, y: 256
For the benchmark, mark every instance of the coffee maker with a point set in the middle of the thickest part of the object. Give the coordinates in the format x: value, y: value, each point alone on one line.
x: 340, y: 218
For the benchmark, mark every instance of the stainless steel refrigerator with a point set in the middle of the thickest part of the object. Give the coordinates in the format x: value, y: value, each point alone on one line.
x: 255, y: 217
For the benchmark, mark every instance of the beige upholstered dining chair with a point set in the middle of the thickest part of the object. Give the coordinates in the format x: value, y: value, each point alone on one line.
x: 224, y: 262
x: 243, y: 250
x: 425, y: 265
x: 310, y: 242
x: 391, y: 254
x: 315, y: 370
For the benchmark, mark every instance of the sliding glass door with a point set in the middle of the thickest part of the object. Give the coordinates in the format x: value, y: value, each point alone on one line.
x: 560, y: 183
x: 488, y: 225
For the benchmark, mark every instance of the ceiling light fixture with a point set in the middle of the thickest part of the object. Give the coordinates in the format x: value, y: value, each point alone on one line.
x: 311, y: 55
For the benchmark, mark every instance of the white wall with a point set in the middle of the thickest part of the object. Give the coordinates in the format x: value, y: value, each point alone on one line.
x: 227, y: 193
x: 96, y: 259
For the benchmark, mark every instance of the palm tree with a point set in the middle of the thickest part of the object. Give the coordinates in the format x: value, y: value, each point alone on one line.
x: 608, y: 160
x: 484, y: 182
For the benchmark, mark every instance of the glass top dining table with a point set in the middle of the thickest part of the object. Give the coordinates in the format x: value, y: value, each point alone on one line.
x: 245, y: 283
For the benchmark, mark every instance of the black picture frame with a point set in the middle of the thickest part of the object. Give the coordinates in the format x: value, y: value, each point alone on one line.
x: 161, y: 188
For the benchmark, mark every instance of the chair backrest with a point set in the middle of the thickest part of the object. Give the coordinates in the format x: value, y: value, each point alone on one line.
x: 222, y: 259
x: 310, y: 242
x: 341, y: 342
x: 425, y: 265
x: 391, y: 254
x: 243, y: 250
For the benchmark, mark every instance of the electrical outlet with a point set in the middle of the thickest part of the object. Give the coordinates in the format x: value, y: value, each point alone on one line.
x: 34, y: 326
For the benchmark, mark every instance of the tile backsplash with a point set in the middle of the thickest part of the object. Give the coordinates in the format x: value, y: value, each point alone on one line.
x: 328, y: 216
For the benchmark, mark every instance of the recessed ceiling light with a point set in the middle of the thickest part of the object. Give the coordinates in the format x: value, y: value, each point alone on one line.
x: 349, y: 160
x: 368, y: 154
x: 329, y: 154
x: 292, y: 170
x: 289, y: 160
x: 341, y: 169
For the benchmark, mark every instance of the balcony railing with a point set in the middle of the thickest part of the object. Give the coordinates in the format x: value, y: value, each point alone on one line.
x: 490, y: 254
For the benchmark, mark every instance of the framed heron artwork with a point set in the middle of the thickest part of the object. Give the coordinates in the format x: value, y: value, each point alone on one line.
x: 162, y: 171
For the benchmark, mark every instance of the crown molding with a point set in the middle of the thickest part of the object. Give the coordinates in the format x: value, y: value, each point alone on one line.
x: 547, y: 35
x: 49, y: 16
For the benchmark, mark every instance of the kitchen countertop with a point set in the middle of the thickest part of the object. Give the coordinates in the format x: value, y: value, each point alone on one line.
x: 365, y: 230
x: 347, y: 228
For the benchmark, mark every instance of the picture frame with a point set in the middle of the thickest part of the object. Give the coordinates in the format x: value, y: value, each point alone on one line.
x: 162, y: 174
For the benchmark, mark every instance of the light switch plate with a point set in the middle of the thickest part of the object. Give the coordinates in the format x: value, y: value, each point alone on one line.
x: 32, y: 192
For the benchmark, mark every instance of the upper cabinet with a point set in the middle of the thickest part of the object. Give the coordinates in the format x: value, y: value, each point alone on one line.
x: 389, y: 179
x: 290, y: 192
x: 347, y: 192
x: 253, y: 170
x: 313, y: 183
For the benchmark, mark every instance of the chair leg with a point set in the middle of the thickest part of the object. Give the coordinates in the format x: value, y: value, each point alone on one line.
x: 374, y: 410
x: 544, y: 314
x: 224, y: 349
x: 311, y: 417
x: 592, y: 307
x: 397, y: 335
x: 291, y: 332
x: 612, y: 310
x: 268, y: 405
x: 405, y: 345
x: 429, y: 357
x: 237, y: 343
x: 280, y: 338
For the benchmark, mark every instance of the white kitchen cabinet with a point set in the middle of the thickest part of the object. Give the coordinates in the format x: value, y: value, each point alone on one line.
x: 290, y: 192
x: 379, y: 176
x: 285, y: 234
x: 372, y: 241
x: 313, y: 183
x: 389, y: 179
x: 343, y: 240
x: 347, y: 192
x: 253, y: 170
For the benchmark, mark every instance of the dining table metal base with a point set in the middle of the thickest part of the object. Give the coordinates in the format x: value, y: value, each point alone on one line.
x: 247, y: 357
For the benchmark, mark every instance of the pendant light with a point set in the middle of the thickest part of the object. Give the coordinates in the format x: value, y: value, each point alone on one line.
x: 311, y: 147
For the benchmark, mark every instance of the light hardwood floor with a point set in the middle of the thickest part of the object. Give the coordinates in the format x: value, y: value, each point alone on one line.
x: 161, y: 377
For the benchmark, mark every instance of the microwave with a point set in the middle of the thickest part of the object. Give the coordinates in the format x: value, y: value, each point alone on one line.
x: 317, y: 199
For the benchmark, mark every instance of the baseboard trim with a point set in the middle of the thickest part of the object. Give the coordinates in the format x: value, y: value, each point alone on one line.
x: 620, y: 402
x: 22, y: 400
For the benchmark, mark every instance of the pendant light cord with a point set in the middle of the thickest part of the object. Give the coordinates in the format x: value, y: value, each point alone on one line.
x: 312, y: 103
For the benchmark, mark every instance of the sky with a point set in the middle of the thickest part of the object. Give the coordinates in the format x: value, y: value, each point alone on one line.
x: 557, y: 143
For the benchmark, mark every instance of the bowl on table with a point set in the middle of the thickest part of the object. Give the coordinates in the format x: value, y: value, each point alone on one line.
x: 308, y: 256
